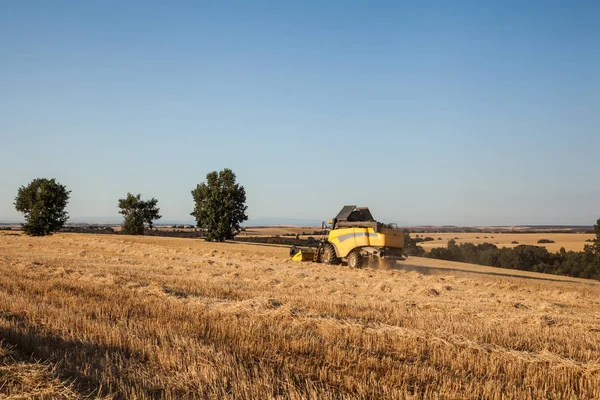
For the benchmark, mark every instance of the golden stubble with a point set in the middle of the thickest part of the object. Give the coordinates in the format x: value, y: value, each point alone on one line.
x: 151, y: 317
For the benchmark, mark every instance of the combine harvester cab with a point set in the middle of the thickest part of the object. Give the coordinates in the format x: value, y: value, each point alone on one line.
x: 355, y: 238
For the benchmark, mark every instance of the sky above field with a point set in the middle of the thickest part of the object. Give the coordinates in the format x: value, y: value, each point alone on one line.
x: 450, y: 112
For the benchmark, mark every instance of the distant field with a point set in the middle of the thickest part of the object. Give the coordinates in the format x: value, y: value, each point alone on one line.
x: 570, y: 241
x: 155, y: 317
x: 274, y: 230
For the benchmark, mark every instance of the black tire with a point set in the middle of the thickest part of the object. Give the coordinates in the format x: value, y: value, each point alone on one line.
x: 355, y: 259
x: 328, y: 255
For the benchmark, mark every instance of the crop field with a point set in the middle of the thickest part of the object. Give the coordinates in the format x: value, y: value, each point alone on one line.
x: 126, y: 317
x: 570, y: 241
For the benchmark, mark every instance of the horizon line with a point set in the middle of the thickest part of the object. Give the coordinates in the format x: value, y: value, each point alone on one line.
x: 308, y: 224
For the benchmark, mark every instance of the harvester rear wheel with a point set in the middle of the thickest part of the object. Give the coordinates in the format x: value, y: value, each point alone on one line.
x: 328, y: 256
x: 355, y: 259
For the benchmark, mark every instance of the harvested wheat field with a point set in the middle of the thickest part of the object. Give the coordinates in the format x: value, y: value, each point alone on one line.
x: 30, y: 380
x: 143, y: 317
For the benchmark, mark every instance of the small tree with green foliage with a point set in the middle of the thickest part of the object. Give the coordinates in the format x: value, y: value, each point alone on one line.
x: 138, y: 214
x: 220, y: 205
x: 594, y: 248
x: 43, y: 202
x: 411, y: 248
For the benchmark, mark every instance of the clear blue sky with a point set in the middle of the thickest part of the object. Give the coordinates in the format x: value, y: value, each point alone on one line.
x: 450, y: 112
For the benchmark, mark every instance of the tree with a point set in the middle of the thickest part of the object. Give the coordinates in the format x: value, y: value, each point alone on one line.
x: 43, y: 202
x: 594, y: 248
x: 411, y: 248
x: 138, y: 214
x: 220, y: 205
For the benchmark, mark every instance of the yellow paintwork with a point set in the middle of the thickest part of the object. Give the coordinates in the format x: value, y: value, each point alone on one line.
x: 304, y: 255
x: 347, y: 239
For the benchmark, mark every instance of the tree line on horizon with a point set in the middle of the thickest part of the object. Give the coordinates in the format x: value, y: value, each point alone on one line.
x: 219, y: 207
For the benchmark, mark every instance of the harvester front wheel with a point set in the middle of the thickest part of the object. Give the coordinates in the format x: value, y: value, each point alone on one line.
x: 328, y: 256
x: 355, y: 260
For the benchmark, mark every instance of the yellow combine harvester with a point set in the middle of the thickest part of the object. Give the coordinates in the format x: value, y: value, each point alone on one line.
x: 355, y: 237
